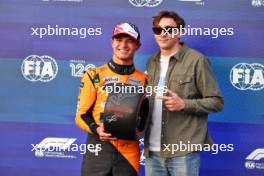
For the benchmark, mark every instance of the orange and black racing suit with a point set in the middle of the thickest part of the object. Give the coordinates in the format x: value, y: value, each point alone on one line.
x: 117, y: 157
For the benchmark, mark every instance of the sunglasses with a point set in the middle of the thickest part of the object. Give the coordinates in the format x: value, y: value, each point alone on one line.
x: 167, y: 29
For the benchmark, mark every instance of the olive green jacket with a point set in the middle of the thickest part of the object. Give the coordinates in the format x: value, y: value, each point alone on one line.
x: 189, y: 75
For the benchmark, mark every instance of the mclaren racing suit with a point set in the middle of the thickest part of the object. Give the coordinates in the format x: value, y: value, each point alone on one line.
x: 117, y: 157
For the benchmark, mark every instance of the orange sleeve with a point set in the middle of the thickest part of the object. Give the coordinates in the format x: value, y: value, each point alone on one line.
x: 86, y: 99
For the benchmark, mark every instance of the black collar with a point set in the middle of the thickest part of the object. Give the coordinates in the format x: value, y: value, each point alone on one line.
x: 121, y: 69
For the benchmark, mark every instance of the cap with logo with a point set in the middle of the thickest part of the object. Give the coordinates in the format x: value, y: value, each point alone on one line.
x: 127, y: 28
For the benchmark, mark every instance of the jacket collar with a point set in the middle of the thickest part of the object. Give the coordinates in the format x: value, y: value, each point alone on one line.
x: 178, y: 56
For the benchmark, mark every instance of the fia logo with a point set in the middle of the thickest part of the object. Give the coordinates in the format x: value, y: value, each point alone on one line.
x: 245, y: 76
x: 257, y: 3
x: 39, y: 68
x: 147, y: 3
x: 250, y: 164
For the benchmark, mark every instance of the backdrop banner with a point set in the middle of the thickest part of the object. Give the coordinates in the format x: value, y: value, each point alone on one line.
x: 47, y: 44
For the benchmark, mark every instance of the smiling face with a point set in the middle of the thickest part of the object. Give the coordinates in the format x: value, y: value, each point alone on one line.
x: 124, y: 48
x: 167, y: 42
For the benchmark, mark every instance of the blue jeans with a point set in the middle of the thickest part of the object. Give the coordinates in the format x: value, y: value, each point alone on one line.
x: 187, y: 165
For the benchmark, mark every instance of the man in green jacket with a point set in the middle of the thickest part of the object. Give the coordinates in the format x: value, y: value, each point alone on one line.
x: 179, y: 117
